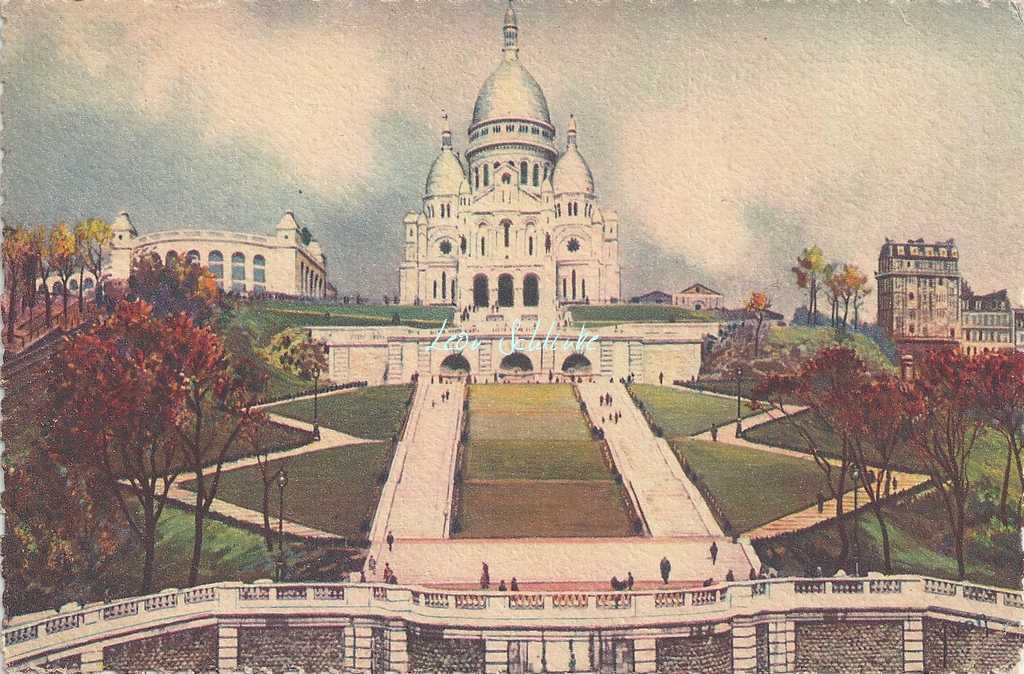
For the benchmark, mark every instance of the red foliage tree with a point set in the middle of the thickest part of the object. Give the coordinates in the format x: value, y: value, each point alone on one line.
x: 1000, y: 401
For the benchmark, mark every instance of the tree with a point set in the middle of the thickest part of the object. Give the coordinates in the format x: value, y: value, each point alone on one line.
x: 946, y: 426
x: 311, y: 361
x: 175, y: 287
x: 828, y: 386
x: 40, y: 240
x: 760, y: 304
x: 118, y: 391
x: 1000, y: 401
x: 64, y: 261
x: 809, y: 268
x: 95, y: 236
x: 268, y: 477
x: 219, y: 398
x: 17, y: 249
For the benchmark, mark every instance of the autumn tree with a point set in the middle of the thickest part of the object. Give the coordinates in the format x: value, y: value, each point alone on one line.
x: 118, y: 392
x: 94, y: 236
x: 253, y: 435
x: 64, y: 260
x: 810, y: 266
x: 816, y: 402
x: 310, y: 364
x: 1000, y: 401
x: 174, y: 287
x: 17, y: 249
x: 759, y: 304
x: 945, y: 429
x: 42, y: 261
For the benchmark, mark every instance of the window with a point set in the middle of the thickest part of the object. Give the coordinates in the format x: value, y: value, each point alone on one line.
x: 530, y: 246
x: 215, y: 263
x: 476, y: 178
x: 524, y: 173
x: 259, y: 269
x: 536, y: 175
x: 508, y: 227
x: 446, y: 247
x: 462, y: 245
x: 547, y: 243
x: 88, y: 284
x: 238, y: 267
x: 573, y: 245
x: 506, y: 179
x: 73, y: 284
x: 487, y: 175
x: 483, y: 245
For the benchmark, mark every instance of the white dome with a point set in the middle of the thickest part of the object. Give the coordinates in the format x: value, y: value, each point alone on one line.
x: 446, y: 175
x: 511, y: 92
x: 572, y: 173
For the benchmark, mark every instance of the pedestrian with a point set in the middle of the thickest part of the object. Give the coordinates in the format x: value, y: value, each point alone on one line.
x: 753, y: 574
x: 629, y: 580
x: 371, y: 564
x: 714, y: 550
x: 714, y: 433
x: 485, y: 577
x: 515, y: 584
x: 729, y: 577
x: 661, y: 378
x: 362, y: 577
x: 821, y: 502
x: 616, y: 585
x: 666, y: 569
x: 393, y: 580
x: 387, y: 572
x: 502, y: 587
x: 391, y: 541
x: 709, y: 582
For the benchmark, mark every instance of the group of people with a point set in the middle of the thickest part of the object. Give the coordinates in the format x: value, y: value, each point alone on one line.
x: 624, y: 584
x: 485, y: 581
x: 388, y: 574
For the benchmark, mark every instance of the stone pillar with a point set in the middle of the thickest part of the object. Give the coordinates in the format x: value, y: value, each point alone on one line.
x: 913, y: 645
x: 744, y: 648
x: 92, y: 661
x: 227, y: 648
x: 781, y: 646
x: 398, y: 655
x: 496, y: 656
x: 645, y: 656
x: 362, y: 644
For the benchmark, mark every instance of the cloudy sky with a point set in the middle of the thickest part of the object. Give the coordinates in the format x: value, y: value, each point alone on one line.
x: 728, y: 135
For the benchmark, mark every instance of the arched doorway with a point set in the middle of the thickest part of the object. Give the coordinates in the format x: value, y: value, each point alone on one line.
x: 531, y: 290
x: 455, y: 363
x: 481, y: 291
x: 576, y: 363
x: 517, y: 362
x: 506, y: 294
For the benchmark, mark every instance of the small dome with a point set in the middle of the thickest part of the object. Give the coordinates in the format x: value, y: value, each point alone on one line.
x: 572, y: 173
x: 511, y: 92
x: 446, y: 175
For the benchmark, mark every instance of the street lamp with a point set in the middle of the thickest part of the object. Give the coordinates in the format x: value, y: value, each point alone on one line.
x: 282, y: 481
x: 739, y: 411
x: 856, y: 521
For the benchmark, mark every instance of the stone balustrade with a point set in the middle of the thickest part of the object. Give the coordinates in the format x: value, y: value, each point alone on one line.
x: 46, y: 634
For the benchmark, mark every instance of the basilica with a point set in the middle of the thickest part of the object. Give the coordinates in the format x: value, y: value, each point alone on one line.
x: 513, y: 227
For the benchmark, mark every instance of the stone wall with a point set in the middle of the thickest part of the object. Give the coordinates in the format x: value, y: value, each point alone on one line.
x: 280, y: 648
x: 188, y: 649
x: 708, y: 655
x: 959, y: 647
x: 71, y: 663
x: 430, y: 652
x: 762, y: 648
x: 849, y: 646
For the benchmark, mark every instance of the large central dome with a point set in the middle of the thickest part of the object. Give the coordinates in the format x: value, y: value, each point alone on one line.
x: 511, y: 92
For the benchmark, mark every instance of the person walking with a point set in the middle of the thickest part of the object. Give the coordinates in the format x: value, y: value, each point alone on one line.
x: 485, y: 577
x: 714, y: 433
x: 821, y: 502
x: 729, y: 577
x: 629, y: 580
x: 661, y: 378
x: 371, y: 564
x: 714, y: 551
x: 666, y: 569
x: 515, y: 585
x: 390, y: 541
x: 502, y: 587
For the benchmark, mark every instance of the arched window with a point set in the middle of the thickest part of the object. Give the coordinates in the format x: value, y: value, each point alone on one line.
x: 476, y: 178
x: 487, y: 175
x: 57, y: 287
x: 583, y: 288
x: 73, y: 284
x: 259, y: 269
x: 435, y: 289
x: 193, y: 257
x: 215, y: 263
x: 87, y: 284
x: 531, y: 290
x: 508, y: 227
x: 524, y: 172
x: 444, y: 285
x: 483, y: 246
x: 536, y: 175
x: 547, y: 243
x: 462, y: 245
x: 530, y: 246
x: 238, y: 267
x: 171, y: 257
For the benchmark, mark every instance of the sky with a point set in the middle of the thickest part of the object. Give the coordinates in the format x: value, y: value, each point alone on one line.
x: 727, y: 135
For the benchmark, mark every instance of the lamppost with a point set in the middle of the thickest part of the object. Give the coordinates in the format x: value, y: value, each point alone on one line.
x: 739, y: 411
x: 856, y: 521
x: 316, y: 391
x: 282, y: 481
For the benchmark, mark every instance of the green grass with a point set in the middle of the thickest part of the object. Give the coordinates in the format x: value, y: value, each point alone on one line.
x: 531, y: 467
x: 374, y: 412
x: 753, y: 487
x: 334, y: 490
x: 543, y: 509
x: 611, y: 314
x: 684, y: 413
x: 807, y: 341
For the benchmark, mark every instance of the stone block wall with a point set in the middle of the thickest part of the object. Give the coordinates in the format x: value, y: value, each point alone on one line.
x: 959, y: 647
x: 188, y: 649
x: 279, y: 648
x: 705, y: 654
x: 762, y: 648
x: 849, y: 646
x: 429, y: 651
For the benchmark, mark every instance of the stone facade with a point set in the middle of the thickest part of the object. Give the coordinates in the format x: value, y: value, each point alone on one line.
x: 287, y: 648
x: 707, y: 654
x: 919, y: 291
x: 988, y: 323
x: 961, y: 647
x: 194, y: 649
x: 429, y: 651
x: 849, y: 646
x: 698, y: 297
x: 71, y: 663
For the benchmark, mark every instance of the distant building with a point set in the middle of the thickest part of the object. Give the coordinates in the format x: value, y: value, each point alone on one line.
x: 988, y: 323
x: 1018, y: 328
x: 919, y: 292
x: 698, y: 297
x: 653, y: 297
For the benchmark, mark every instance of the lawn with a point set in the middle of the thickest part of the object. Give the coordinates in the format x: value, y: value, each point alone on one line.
x: 543, y: 509
x: 529, y: 455
x: 753, y: 487
x: 610, y: 314
x: 375, y: 412
x: 334, y: 490
x: 684, y: 413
